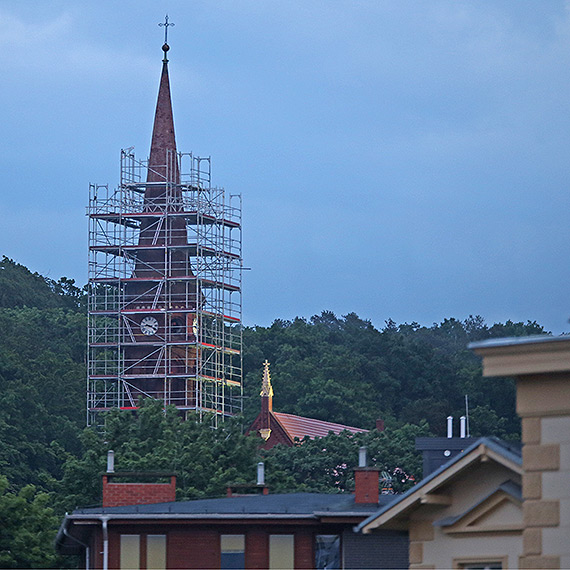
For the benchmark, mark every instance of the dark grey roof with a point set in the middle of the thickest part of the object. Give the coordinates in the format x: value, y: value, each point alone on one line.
x: 283, y: 507
x: 426, y: 443
x: 311, y: 506
x: 282, y: 504
x: 509, y: 450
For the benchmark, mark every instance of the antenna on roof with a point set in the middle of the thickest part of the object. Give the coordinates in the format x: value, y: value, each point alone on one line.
x: 467, y: 415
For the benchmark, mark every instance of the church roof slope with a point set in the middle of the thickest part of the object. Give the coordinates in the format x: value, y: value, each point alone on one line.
x: 300, y: 427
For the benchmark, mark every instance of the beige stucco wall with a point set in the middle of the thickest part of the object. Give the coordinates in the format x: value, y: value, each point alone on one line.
x: 441, y: 552
x: 544, y: 405
x: 556, y: 486
x: 431, y: 547
x: 481, y: 480
x: 542, y: 369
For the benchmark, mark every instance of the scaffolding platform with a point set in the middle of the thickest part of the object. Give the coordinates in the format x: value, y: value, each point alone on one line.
x: 165, y: 272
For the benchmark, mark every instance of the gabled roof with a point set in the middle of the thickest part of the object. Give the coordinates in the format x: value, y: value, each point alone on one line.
x: 300, y: 427
x: 504, y: 453
x: 508, y: 488
x: 276, y: 427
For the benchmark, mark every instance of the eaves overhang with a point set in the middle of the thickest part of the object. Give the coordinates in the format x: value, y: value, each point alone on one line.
x: 77, y: 521
x: 66, y: 539
x: 520, y: 356
x: 96, y: 517
x: 188, y: 516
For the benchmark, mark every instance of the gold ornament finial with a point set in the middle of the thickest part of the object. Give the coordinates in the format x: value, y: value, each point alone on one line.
x: 266, y: 388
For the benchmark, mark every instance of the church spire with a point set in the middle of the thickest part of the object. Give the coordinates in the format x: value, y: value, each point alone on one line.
x: 163, y: 163
x: 266, y: 388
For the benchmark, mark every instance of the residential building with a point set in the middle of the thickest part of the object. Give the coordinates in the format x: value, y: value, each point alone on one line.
x: 466, y: 514
x: 493, y: 506
x: 263, y: 530
x: 541, y: 368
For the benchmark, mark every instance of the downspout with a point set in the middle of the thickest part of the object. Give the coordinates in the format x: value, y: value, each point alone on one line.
x: 104, y: 521
x: 87, y: 557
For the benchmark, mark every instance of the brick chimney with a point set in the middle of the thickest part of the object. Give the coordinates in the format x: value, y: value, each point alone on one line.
x: 137, y: 493
x: 366, y: 481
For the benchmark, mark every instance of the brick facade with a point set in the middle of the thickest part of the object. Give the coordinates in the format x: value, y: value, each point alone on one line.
x: 197, y: 547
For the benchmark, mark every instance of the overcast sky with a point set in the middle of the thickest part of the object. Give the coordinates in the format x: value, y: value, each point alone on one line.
x: 399, y: 159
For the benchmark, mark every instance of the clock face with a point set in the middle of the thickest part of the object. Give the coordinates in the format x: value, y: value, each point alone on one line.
x: 149, y: 326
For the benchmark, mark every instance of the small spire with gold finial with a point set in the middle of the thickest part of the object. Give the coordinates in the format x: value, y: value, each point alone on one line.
x: 266, y: 388
x: 266, y: 403
x: 165, y: 46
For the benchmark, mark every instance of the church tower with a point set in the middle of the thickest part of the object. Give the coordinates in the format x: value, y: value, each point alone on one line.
x: 164, y: 282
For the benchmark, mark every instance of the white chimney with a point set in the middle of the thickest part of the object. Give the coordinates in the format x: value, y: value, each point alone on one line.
x: 110, y: 461
x: 449, y: 427
x: 462, y: 427
x: 261, y: 474
x: 362, y: 457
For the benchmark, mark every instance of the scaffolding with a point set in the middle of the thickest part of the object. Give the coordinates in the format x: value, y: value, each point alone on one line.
x: 165, y: 270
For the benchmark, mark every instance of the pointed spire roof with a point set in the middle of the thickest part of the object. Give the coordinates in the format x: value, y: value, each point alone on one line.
x: 266, y: 388
x: 162, y: 164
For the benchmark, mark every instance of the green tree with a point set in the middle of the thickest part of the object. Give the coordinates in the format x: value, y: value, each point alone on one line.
x: 205, y: 460
x: 19, y: 287
x: 27, y: 528
x: 344, y: 370
x: 327, y: 464
x: 42, y: 389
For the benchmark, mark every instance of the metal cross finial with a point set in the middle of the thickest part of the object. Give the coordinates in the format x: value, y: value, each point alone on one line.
x: 166, y: 24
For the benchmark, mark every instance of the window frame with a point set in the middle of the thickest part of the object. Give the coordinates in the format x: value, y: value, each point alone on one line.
x: 292, y: 553
x: 242, y: 552
x: 463, y: 562
x: 136, y: 551
x: 340, y: 553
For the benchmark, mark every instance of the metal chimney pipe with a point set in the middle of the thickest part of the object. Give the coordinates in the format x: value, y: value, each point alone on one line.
x: 261, y: 474
x: 110, y: 461
x: 462, y: 427
x: 362, y: 461
x: 449, y: 427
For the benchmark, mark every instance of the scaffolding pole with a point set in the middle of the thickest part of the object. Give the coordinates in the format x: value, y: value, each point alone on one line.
x: 165, y: 273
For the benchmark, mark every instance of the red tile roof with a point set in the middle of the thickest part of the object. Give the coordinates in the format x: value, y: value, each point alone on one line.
x: 298, y: 426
